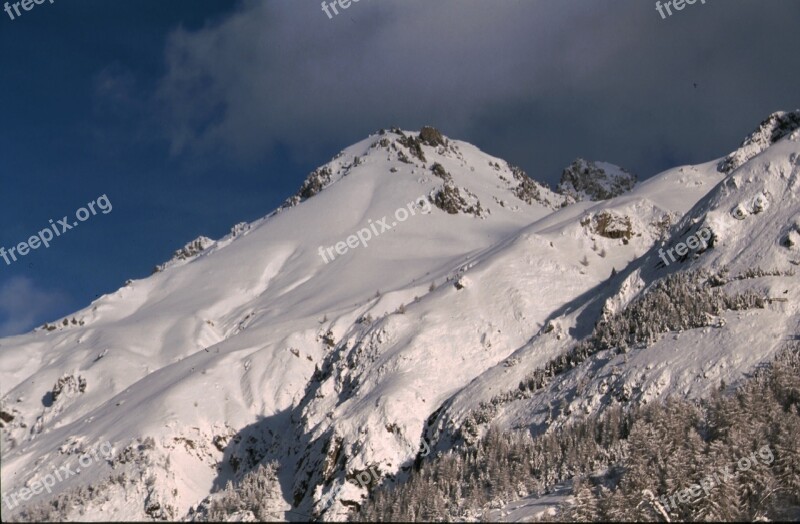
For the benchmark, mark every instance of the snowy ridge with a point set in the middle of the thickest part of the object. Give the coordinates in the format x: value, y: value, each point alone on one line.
x: 774, y: 128
x: 751, y: 253
x: 252, y: 349
x: 187, y: 252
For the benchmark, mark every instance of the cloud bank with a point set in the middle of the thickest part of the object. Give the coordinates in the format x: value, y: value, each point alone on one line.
x: 538, y: 82
x: 22, y: 305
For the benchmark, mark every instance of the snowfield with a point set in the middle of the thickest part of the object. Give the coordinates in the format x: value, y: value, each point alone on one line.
x: 251, y: 348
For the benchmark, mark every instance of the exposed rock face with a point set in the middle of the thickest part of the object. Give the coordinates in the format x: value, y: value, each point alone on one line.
x: 414, y: 146
x: 586, y: 180
x: 776, y: 126
x: 67, y: 384
x: 190, y: 250
x: 528, y: 190
x: 316, y: 182
x: 449, y: 199
x: 431, y: 136
x: 439, y: 171
x: 610, y: 224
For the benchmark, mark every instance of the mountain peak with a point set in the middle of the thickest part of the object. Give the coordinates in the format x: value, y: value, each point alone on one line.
x: 772, y: 129
x: 341, y: 165
x: 429, y: 155
x: 264, y: 345
x: 588, y: 180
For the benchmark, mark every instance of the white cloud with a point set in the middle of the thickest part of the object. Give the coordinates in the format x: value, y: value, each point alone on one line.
x: 23, y: 306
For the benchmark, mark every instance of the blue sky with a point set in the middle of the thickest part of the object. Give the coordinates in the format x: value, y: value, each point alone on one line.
x: 194, y: 115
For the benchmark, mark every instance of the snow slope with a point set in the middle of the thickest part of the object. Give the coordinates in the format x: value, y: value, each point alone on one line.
x: 256, y: 346
x: 752, y: 214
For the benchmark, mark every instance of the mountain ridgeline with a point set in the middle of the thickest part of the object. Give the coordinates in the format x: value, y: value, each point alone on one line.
x: 533, y: 340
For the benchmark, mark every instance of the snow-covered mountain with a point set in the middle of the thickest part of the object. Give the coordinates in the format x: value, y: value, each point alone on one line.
x: 404, y: 297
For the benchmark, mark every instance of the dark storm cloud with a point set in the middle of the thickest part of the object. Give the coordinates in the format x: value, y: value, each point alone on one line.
x: 538, y: 82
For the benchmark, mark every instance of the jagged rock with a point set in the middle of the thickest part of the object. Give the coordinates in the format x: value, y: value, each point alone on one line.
x: 240, y: 228
x: 190, y: 250
x: 312, y: 185
x: 775, y: 127
x: 609, y: 224
x: 586, y: 180
x: 68, y: 384
x: 414, y: 146
x: 431, y: 136
x: 449, y: 199
x: 439, y: 171
x: 528, y: 189
x: 193, y: 248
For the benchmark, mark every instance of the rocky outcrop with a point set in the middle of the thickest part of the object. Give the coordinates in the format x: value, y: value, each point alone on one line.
x: 586, y: 180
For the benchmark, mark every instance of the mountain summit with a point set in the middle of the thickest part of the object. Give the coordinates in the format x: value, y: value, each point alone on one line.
x: 770, y: 131
x: 252, y: 360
